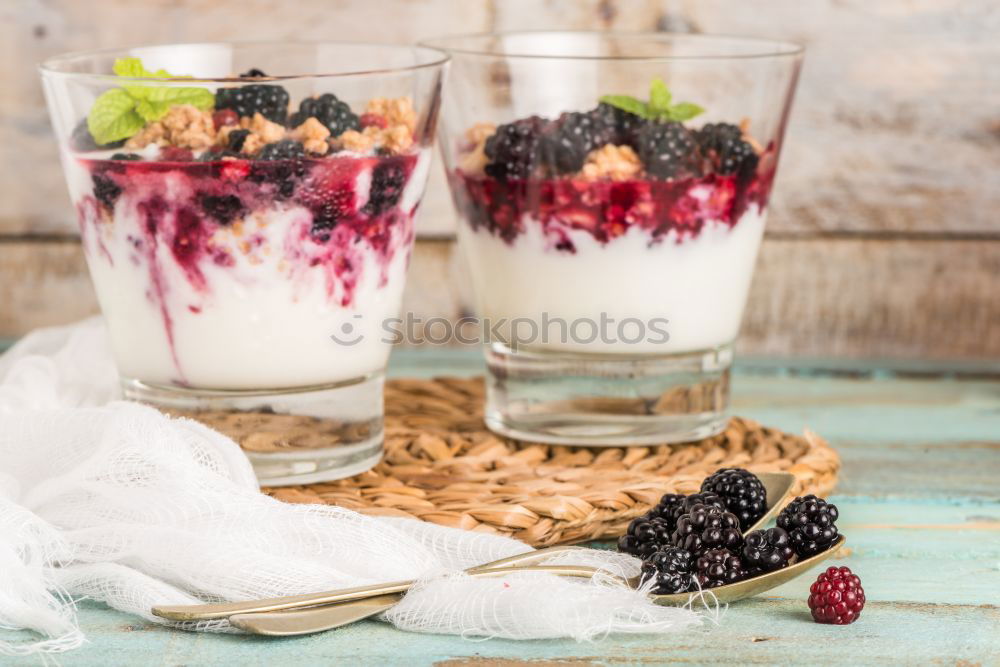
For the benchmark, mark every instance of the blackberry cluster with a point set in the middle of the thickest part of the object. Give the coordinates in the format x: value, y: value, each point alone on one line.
x: 106, y: 191
x: 574, y: 135
x: 667, y: 149
x: 514, y: 150
x: 704, y: 528
x: 286, y: 149
x: 742, y: 492
x: 666, y: 508
x: 723, y: 144
x: 271, y: 101
x: 810, y: 523
x: 626, y: 125
x: 717, y: 567
x: 766, y: 551
x: 388, y: 180
x: 224, y: 208
x: 670, y: 569
x: 236, y: 140
x: 329, y: 110
x: 644, y: 537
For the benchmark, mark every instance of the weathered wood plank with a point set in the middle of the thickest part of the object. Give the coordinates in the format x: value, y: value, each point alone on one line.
x: 813, y: 298
x: 894, y: 129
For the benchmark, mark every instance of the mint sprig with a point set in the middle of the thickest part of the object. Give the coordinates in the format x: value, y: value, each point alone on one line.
x: 658, y: 107
x: 121, y: 112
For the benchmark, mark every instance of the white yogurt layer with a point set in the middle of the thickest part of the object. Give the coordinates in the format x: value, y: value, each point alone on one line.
x: 264, y: 321
x: 699, y: 285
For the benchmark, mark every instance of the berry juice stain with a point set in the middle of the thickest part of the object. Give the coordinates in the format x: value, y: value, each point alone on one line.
x: 194, y: 214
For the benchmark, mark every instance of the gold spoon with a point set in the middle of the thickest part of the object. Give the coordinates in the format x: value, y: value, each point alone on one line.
x: 302, y: 614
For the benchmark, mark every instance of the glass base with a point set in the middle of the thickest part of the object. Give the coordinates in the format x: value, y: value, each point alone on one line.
x: 291, y: 436
x: 583, y: 400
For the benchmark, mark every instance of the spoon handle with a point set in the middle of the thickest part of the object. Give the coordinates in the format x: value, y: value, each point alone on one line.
x: 292, y: 622
x: 200, y: 612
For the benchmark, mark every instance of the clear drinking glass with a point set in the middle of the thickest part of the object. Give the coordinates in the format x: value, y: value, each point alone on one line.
x: 248, y: 233
x: 611, y: 240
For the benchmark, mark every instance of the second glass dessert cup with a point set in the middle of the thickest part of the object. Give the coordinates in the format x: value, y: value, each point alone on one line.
x: 612, y: 191
x: 246, y: 211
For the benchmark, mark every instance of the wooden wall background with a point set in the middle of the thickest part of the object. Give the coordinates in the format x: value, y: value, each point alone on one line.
x: 884, y: 236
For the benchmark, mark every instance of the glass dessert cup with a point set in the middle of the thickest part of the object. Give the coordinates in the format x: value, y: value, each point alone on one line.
x: 612, y: 191
x: 247, y: 234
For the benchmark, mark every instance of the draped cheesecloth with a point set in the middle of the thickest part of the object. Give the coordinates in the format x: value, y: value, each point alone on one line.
x: 113, y: 501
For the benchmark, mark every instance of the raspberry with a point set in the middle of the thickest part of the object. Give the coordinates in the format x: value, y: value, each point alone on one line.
x: 837, y: 597
x: 766, y: 550
x: 723, y: 144
x: 514, y: 150
x: 705, y: 528
x: 224, y: 117
x: 717, y: 567
x: 270, y: 101
x: 670, y: 569
x: 742, y: 491
x: 373, y: 120
x: 645, y: 536
x: 810, y: 523
x: 667, y: 150
x: 329, y: 110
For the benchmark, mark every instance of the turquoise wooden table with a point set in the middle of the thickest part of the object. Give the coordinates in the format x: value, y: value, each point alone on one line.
x: 920, y: 503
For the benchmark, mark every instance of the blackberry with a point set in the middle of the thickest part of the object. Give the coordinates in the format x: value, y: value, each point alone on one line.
x: 388, y: 181
x: 270, y: 100
x: 665, y: 509
x: 644, y: 537
x: 705, y: 528
x: 723, y: 145
x: 766, y: 551
x: 666, y: 149
x: 670, y: 570
x: 575, y: 134
x: 679, y: 509
x: 286, y: 149
x: 810, y: 523
x: 217, y: 154
x: 224, y: 208
x: 514, y: 150
x: 82, y: 140
x: 126, y: 157
x: 837, y: 597
x: 626, y: 125
x: 106, y: 191
x: 236, y: 140
x: 718, y: 567
x: 742, y: 491
x: 327, y: 109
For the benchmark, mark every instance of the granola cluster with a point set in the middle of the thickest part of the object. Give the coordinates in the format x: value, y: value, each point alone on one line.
x: 389, y: 127
x: 184, y: 126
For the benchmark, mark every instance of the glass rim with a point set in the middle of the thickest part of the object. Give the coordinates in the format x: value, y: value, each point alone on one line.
x: 769, y: 48
x: 52, y: 66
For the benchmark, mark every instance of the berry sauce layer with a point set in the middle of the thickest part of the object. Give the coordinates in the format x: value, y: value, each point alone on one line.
x: 208, y: 234
x: 606, y: 209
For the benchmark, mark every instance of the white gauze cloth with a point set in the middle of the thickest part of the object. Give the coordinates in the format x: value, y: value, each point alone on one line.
x: 113, y: 501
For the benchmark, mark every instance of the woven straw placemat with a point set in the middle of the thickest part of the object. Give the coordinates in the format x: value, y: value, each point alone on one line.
x: 442, y: 465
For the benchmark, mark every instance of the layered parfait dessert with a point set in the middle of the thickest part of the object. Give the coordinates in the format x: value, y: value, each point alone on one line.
x: 627, y: 211
x: 241, y: 240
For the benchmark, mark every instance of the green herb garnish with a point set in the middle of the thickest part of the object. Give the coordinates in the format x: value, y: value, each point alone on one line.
x: 658, y: 107
x: 121, y: 112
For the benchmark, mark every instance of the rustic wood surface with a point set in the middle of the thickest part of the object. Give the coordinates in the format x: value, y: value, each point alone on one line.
x: 883, y: 234
x: 919, y: 503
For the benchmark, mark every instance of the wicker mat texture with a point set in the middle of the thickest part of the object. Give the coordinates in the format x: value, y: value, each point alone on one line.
x: 442, y: 465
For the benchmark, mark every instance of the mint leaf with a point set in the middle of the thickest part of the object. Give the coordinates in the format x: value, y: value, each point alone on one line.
x: 113, y: 117
x: 628, y: 103
x: 659, y: 96
x: 683, y: 111
x: 120, y: 113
